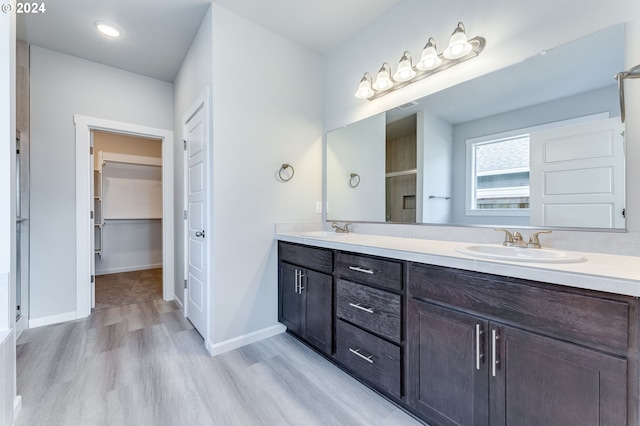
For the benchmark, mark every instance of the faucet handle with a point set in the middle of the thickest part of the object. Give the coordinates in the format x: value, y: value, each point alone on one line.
x: 508, y: 237
x: 534, y: 241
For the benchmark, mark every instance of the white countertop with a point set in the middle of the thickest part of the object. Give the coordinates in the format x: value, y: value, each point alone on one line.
x: 602, y: 272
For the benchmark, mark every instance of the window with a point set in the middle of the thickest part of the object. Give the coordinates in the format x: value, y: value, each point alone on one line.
x: 499, y: 175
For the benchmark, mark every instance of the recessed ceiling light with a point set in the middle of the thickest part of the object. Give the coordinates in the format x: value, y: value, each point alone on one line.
x: 107, y: 29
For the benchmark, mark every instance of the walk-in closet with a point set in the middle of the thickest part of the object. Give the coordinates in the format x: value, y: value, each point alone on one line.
x: 127, y: 238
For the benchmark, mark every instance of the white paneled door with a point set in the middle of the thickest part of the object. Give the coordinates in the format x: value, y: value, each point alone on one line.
x: 196, y: 219
x: 577, y: 175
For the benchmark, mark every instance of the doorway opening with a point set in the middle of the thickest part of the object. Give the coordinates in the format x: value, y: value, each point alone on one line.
x: 127, y: 205
x: 85, y: 214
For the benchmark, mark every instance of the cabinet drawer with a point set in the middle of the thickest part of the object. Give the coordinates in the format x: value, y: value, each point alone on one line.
x: 375, y: 360
x: 369, y: 270
x: 375, y: 310
x: 569, y: 315
x: 308, y: 257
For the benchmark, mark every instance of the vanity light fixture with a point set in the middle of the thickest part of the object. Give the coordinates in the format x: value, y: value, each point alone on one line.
x: 364, y: 88
x: 458, y: 44
x: 107, y: 29
x: 405, y: 68
x: 429, y: 59
x: 383, y: 79
x: 459, y: 49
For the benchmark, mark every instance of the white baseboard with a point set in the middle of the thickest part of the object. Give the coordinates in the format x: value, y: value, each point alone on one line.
x: 17, y: 406
x: 178, y: 301
x: 131, y: 268
x: 237, y: 342
x: 53, y: 319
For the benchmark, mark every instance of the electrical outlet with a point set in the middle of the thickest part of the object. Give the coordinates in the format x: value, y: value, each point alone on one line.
x: 318, y: 207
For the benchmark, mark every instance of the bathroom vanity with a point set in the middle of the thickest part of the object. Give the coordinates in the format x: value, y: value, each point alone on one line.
x: 458, y: 340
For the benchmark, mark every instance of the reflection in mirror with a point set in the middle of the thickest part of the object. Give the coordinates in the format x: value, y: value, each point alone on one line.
x: 539, y: 144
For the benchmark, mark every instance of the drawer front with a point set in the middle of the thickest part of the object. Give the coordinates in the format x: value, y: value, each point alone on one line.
x: 373, y: 359
x: 369, y: 270
x: 318, y: 259
x: 376, y: 310
x: 581, y: 318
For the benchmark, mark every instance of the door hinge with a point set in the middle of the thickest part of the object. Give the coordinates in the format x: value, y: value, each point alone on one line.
x: 91, y: 214
x: 184, y: 214
x: 185, y: 284
x: 18, y: 145
x: 624, y: 213
x: 93, y: 278
x: 184, y: 144
x: 90, y: 150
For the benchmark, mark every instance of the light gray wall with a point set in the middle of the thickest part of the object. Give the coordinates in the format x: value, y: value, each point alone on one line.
x: 193, y: 79
x: 267, y: 110
x: 61, y: 86
x: 359, y: 148
x: 593, y: 102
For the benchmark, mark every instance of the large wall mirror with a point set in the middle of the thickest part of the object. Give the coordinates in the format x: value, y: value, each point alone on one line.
x: 539, y: 143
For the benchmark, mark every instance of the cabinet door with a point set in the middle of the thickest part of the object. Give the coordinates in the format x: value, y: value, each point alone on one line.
x: 317, y: 289
x: 448, y: 369
x: 290, y: 308
x: 544, y: 381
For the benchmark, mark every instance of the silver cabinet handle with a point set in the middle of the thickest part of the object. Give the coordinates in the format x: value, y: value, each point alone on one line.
x: 359, y: 269
x: 494, y: 356
x: 296, y: 281
x: 300, y: 282
x: 479, y: 355
x: 362, y: 308
x: 357, y: 352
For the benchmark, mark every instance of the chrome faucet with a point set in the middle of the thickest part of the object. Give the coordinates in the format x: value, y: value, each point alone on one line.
x: 341, y: 229
x: 517, y: 240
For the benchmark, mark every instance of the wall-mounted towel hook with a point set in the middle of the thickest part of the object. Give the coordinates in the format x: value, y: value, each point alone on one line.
x: 354, y: 180
x: 284, y: 168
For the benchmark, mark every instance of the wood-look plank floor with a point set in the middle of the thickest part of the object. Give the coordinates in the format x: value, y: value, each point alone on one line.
x: 144, y: 365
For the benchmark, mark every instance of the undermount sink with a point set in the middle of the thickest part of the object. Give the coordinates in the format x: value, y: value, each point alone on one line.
x: 325, y: 234
x: 520, y: 254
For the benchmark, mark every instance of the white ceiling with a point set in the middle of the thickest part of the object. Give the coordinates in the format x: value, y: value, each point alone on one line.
x: 158, y: 33
x: 316, y: 25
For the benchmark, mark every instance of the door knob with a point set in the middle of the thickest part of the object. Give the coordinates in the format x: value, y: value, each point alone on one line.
x: 200, y: 233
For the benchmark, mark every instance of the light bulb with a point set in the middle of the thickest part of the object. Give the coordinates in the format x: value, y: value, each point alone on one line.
x: 458, y: 44
x: 383, y: 78
x: 429, y: 58
x: 405, y: 70
x: 364, y: 88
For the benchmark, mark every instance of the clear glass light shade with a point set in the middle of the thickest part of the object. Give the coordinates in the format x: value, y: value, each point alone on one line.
x: 364, y: 88
x: 429, y: 59
x: 383, y: 79
x: 458, y: 44
x: 405, y: 70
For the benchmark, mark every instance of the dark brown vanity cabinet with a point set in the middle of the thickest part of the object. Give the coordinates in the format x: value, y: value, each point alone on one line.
x: 305, y: 303
x: 369, y: 319
x: 487, y: 350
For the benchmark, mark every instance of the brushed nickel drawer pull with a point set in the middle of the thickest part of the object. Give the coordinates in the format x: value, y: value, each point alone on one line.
x: 357, y: 352
x: 359, y: 269
x: 362, y: 308
x: 479, y: 355
x: 494, y: 356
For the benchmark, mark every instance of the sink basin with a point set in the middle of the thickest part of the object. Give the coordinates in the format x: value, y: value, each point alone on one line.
x: 325, y: 234
x: 520, y: 254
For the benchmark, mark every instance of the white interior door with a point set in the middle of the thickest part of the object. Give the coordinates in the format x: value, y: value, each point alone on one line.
x: 93, y: 223
x: 577, y: 175
x: 197, y: 211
